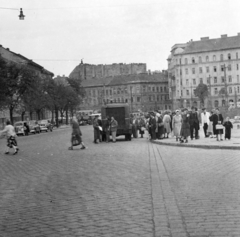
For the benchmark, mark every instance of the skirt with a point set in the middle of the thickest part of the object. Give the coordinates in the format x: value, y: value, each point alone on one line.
x: 11, y: 141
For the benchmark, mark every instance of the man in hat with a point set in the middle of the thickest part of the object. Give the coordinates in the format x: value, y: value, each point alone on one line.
x: 194, y: 123
x: 205, y: 120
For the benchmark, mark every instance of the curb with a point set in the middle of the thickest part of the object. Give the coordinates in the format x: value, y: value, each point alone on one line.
x: 198, y: 146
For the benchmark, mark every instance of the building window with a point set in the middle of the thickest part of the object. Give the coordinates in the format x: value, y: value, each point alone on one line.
x: 126, y: 100
x: 237, y: 78
x: 214, y: 57
x: 215, y: 91
x: 207, y: 58
x: 229, y: 56
x: 207, y: 69
x: 222, y: 68
x: 193, y: 70
x: 165, y: 89
x: 237, y: 67
x: 194, y: 81
x: 230, y: 90
x: 238, y: 89
x: 161, y: 89
x: 186, y: 61
x: 187, y: 92
x: 157, y: 97
x: 215, y: 79
x: 201, y: 80
x: 200, y: 70
x: 200, y: 59
x: 215, y: 69
x: 138, y: 99
x: 229, y: 67
x: 221, y: 57
x: 237, y: 55
x: 153, y: 89
x: 150, y: 98
x: 187, y: 82
x: 216, y: 103
x: 186, y: 71
x: 193, y: 60
x: 157, y: 89
x: 223, y: 79
x: 230, y: 78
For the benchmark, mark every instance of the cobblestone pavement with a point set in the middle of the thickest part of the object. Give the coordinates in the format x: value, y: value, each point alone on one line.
x: 118, y: 189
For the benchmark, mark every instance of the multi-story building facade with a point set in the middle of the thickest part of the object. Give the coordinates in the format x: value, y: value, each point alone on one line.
x: 89, y: 71
x: 214, y: 62
x: 18, y: 59
x: 143, y: 92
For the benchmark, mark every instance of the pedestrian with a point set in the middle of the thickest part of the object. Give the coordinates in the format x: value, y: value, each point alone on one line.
x: 114, y: 126
x: 26, y: 128
x: 10, y: 134
x: 177, y: 124
x: 160, y: 127
x: 210, y: 126
x: 76, y: 138
x: 185, y: 129
x: 217, y: 119
x: 134, y: 127
x: 141, y: 124
x: 96, y: 130
x: 205, y: 121
x: 107, y: 128
x: 228, y: 126
x: 194, y: 123
x: 166, y: 122
x: 100, y: 129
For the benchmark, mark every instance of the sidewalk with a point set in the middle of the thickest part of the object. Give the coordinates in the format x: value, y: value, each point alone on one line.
x: 206, y: 143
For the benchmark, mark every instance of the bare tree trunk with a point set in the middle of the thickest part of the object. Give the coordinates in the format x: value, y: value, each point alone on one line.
x: 67, y: 116
x: 56, y: 117
x: 22, y: 115
x: 11, y: 114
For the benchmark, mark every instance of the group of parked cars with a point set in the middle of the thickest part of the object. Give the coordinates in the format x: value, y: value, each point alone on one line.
x: 32, y: 126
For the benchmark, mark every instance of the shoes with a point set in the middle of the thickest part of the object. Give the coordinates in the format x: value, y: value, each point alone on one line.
x: 221, y: 139
x: 70, y: 148
x: 83, y: 147
x: 15, y: 152
x: 7, y: 152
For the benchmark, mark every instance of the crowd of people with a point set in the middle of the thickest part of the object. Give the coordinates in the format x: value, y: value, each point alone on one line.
x: 186, y: 123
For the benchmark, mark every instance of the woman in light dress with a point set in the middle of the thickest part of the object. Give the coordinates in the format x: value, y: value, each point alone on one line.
x: 177, y: 124
x: 166, y: 122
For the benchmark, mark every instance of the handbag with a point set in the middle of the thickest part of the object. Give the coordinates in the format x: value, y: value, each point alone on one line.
x: 219, y: 126
x: 75, y: 141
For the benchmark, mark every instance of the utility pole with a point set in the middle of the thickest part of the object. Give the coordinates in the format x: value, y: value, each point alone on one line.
x: 210, y: 94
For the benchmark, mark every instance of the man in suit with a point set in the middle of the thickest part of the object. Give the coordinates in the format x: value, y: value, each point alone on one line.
x: 205, y: 120
x: 194, y: 123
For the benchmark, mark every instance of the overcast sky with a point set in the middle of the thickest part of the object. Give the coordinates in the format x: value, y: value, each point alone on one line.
x: 57, y: 34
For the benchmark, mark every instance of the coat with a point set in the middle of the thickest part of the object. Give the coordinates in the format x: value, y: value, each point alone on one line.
x: 216, y: 118
x: 176, y: 125
x: 185, y: 129
x: 114, y: 125
x: 193, y: 120
x: 166, y: 122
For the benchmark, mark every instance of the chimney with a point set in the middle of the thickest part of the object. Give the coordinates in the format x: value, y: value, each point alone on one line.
x: 223, y: 36
x: 7, y: 49
x: 205, y: 38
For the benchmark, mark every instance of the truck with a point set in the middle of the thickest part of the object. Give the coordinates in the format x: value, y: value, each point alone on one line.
x: 121, y: 113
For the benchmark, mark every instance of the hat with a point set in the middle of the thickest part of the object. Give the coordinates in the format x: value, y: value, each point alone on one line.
x: 177, y: 110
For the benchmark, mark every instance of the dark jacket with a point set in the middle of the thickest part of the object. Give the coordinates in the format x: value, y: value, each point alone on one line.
x: 193, y: 118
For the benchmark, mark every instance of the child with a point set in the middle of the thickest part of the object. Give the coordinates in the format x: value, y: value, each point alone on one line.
x: 228, y: 126
x: 9, y: 131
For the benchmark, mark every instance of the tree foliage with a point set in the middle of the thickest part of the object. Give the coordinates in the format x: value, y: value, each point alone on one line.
x: 201, y: 92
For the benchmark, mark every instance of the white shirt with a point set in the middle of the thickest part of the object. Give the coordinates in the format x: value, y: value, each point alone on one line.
x: 9, y: 131
x: 205, y: 118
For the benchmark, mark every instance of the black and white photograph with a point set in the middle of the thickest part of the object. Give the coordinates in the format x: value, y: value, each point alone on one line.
x: 119, y: 118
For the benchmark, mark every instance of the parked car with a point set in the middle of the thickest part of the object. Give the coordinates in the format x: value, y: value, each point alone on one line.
x: 45, y: 125
x: 19, y: 128
x: 34, y: 126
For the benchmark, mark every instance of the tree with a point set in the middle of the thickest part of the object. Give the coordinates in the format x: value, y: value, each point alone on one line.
x: 16, y: 80
x: 201, y: 92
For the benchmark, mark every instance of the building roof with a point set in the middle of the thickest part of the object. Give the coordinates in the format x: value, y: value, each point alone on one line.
x: 207, y: 44
x: 125, y: 79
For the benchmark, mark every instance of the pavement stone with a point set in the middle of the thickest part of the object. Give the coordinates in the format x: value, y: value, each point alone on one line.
x: 127, y: 189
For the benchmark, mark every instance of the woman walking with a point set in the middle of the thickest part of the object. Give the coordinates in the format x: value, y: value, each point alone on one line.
x: 177, y: 124
x: 166, y: 122
x: 185, y: 129
x: 217, y: 124
x: 9, y: 132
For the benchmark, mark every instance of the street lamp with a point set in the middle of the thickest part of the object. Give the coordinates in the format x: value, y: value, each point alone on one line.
x: 21, y: 16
